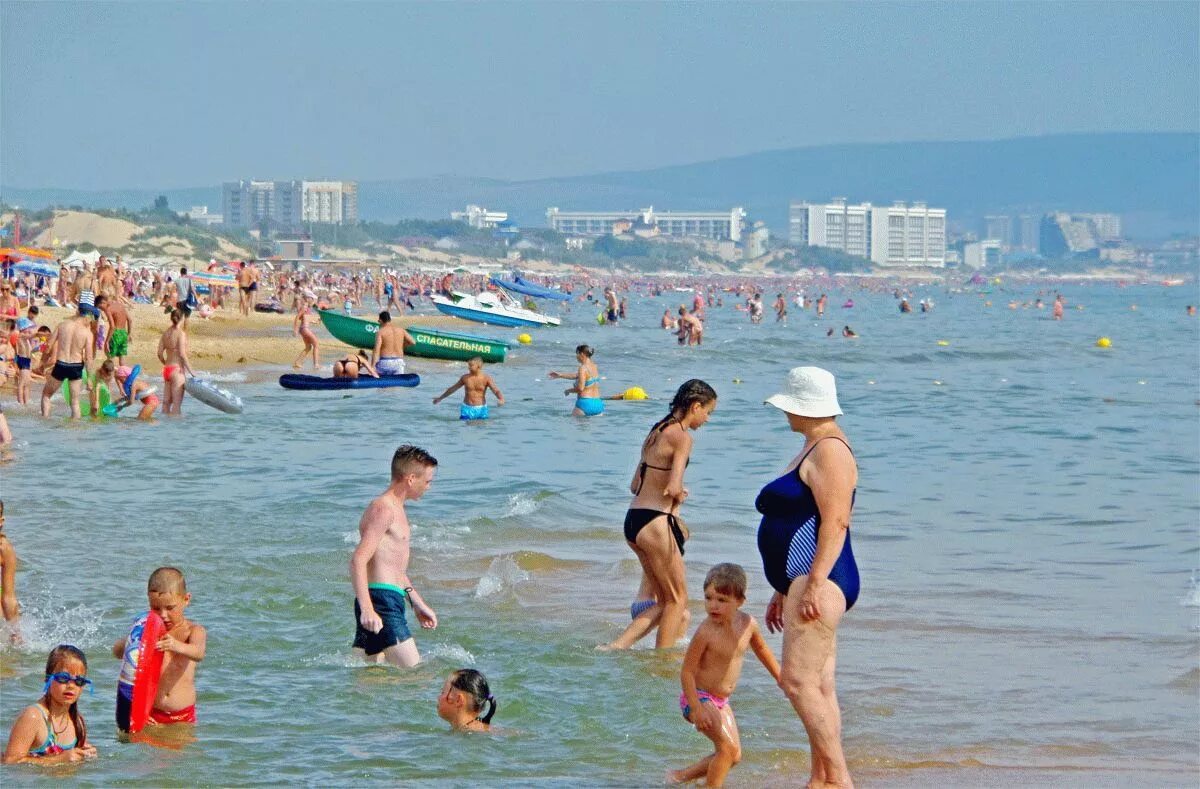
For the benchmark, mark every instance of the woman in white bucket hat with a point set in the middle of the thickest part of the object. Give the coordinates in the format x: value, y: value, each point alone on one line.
x: 804, y: 539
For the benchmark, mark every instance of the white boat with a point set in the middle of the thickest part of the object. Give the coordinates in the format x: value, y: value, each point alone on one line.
x: 495, y: 308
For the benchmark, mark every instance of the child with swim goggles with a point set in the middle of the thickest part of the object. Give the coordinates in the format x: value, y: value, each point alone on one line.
x: 463, y: 697
x: 53, y: 731
x: 711, y: 668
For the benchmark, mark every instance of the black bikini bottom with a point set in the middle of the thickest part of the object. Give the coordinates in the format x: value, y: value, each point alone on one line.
x: 636, y: 520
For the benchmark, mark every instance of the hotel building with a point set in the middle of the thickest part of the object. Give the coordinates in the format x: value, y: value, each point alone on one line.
x: 897, y: 236
x: 288, y: 204
x: 713, y: 225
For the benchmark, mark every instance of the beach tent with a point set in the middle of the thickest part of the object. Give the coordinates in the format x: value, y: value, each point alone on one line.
x: 77, y: 259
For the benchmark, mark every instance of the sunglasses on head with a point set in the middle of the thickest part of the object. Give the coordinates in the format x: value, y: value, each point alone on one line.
x: 65, y: 677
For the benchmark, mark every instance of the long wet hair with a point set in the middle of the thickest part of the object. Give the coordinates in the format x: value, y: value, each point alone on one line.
x: 58, y: 656
x: 691, y: 392
x: 475, y: 685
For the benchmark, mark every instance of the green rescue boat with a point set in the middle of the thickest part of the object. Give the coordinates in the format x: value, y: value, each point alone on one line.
x: 430, y: 343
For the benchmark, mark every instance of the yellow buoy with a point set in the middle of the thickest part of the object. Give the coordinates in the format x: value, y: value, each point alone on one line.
x: 943, y: 342
x: 524, y: 339
x: 635, y: 393
x: 1103, y: 342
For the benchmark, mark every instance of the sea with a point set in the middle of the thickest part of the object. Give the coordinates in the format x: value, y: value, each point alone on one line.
x: 1026, y: 529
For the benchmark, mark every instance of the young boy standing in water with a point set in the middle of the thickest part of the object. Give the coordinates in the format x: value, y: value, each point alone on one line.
x: 185, y: 643
x: 476, y: 384
x: 711, y: 669
x: 379, y: 566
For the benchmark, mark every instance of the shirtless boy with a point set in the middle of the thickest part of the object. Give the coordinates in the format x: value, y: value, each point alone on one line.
x: 184, y: 643
x: 390, y: 342
x: 711, y: 668
x: 475, y: 385
x: 172, y: 352
x: 120, y: 329
x: 72, y: 348
x: 379, y: 566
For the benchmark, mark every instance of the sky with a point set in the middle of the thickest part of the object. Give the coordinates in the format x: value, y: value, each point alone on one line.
x: 180, y: 94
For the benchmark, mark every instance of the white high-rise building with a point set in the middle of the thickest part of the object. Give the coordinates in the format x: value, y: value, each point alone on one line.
x: 899, y: 235
x: 330, y: 202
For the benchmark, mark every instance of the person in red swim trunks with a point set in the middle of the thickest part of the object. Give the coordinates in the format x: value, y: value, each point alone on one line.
x: 185, y: 643
x: 172, y: 352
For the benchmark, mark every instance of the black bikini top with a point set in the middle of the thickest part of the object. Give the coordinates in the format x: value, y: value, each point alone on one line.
x: 643, y: 465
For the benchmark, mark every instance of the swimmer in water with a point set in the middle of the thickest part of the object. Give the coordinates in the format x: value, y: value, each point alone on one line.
x: 461, y: 703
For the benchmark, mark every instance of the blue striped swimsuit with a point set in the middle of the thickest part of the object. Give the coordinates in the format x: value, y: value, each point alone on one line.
x: 787, y: 535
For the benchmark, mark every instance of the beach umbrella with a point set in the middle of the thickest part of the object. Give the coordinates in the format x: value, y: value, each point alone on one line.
x: 34, y: 252
x: 35, y: 267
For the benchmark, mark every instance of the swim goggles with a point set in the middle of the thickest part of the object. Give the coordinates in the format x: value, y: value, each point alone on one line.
x: 64, y: 678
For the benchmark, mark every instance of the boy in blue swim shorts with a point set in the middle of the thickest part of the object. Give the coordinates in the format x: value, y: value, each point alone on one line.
x: 475, y: 385
x: 379, y: 566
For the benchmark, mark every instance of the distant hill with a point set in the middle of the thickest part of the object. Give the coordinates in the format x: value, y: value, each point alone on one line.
x: 1151, y: 179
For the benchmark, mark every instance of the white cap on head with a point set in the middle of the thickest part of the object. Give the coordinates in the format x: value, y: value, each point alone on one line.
x: 808, y: 391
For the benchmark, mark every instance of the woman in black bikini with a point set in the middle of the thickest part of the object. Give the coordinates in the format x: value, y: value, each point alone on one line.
x: 652, y: 526
x: 353, y: 366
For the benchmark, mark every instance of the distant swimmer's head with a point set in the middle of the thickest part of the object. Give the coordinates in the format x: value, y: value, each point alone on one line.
x: 692, y: 404
x: 808, y: 392
x: 464, y: 696
x: 385, y: 317
x: 584, y: 352
x: 413, y: 467
x: 168, y: 595
x: 475, y: 364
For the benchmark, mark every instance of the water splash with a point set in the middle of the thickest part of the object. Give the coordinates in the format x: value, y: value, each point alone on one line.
x: 501, y: 577
x: 1191, y: 598
x: 46, y: 623
x: 451, y: 653
x: 521, y: 504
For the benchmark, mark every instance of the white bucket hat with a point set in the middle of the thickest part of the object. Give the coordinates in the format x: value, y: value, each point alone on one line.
x: 809, y: 391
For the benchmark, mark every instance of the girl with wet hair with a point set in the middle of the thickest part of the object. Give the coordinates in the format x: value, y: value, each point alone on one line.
x: 653, y: 529
x: 52, y: 731
x: 463, y: 698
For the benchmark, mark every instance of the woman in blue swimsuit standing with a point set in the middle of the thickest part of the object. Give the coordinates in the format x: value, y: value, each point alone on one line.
x: 804, y: 539
x: 587, y: 384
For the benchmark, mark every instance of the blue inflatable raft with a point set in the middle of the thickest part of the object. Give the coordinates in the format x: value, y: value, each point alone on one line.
x: 313, y: 382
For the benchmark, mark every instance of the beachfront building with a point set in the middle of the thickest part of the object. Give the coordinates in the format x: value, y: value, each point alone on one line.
x: 982, y: 254
x: 329, y: 202
x: 199, y: 215
x: 480, y: 218
x: 900, y: 235
x: 249, y: 203
x: 712, y: 225
x: 288, y: 204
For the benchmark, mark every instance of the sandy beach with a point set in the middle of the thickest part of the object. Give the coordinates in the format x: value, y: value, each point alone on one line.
x: 228, y: 341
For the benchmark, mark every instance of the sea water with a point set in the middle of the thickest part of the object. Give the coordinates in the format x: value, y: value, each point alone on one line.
x: 1026, y: 530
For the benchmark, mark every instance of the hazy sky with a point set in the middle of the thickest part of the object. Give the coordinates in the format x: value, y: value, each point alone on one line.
x: 107, y: 95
